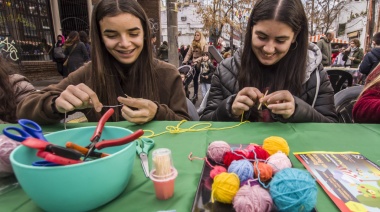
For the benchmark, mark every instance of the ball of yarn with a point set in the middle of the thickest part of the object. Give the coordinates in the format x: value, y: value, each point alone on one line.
x: 252, y: 199
x: 259, y: 152
x: 237, y: 155
x: 225, y: 187
x: 264, y: 173
x: 217, y: 170
x: 243, y: 168
x: 274, y: 144
x: 216, y: 150
x: 293, y: 190
x: 7, y: 145
x: 279, y: 161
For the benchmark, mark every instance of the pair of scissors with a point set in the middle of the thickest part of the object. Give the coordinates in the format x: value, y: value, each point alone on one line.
x: 95, y: 144
x: 29, y: 129
x: 31, y: 135
x: 142, y: 149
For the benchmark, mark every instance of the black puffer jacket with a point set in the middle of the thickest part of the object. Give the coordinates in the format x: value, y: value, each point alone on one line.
x: 370, y: 61
x: 224, y: 87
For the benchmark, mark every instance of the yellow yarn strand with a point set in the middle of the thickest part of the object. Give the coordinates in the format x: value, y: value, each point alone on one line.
x: 205, y: 126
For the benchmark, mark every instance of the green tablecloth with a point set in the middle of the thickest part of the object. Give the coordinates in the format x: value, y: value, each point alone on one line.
x: 139, y: 194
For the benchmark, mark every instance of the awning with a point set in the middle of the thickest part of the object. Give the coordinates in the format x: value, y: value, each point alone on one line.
x: 316, y: 38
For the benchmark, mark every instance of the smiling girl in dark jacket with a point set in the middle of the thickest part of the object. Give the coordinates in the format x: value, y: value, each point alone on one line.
x: 278, y: 60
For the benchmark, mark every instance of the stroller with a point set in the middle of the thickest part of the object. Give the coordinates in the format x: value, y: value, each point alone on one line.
x: 188, y: 72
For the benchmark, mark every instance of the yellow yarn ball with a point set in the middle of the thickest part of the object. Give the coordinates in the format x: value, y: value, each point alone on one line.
x: 274, y: 144
x: 225, y: 187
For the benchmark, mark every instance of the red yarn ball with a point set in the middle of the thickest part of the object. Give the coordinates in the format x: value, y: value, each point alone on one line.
x: 228, y: 157
x: 266, y: 171
x: 260, y: 152
x: 217, y: 170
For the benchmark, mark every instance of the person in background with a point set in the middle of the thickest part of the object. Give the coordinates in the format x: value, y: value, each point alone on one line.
x: 324, y: 44
x: 13, y: 88
x: 226, y: 55
x: 339, y: 62
x: 367, y: 107
x: 44, y: 48
x: 353, y: 55
x: 335, y: 53
x: 59, y: 56
x: 207, y: 70
x: 197, y: 48
x: 275, y: 76
x: 84, y: 38
x: 122, y: 73
x: 184, y: 49
x: 76, y: 53
x: 372, y: 58
x: 153, y: 40
x: 163, y: 52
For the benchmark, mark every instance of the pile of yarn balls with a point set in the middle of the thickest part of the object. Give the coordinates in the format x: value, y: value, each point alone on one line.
x: 260, y: 178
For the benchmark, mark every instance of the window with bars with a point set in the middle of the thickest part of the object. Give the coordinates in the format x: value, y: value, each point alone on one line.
x: 25, y: 30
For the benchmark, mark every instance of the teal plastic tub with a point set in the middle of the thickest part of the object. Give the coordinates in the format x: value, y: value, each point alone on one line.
x: 79, y: 187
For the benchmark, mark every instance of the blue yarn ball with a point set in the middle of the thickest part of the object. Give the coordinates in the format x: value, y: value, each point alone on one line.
x: 243, y: 169
x: 293, y: 190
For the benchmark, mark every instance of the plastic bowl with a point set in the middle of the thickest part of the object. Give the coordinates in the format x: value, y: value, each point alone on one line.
x: 79, y: 187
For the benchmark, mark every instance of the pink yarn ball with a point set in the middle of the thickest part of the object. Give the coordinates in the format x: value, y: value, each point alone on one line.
x: 7, y: 145
x: 217, y: 149
x: 217, y: 170
x: 253, y: 199
x: 279, y: 161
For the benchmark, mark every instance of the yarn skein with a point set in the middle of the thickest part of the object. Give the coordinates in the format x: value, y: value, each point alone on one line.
x: 217, y: 170
x: 216, y: 150
x: 252, y: 199
x: 279, y: 161
x: 225, y: 187
x: 274, y: 144
x: 262, y: 171
x: 243, y: 168
x: 293, y: 190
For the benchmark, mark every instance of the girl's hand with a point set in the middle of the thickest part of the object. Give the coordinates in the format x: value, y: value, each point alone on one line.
x: 137, y: 110
x: 77, y: 97
x: 245, y: 99
x: 280, y: 102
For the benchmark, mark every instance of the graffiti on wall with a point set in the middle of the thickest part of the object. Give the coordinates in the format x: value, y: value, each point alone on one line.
x: 154, y: 25
x: 8, y: 49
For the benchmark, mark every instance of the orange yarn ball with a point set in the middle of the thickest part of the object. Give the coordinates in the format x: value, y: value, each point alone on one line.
x: 266, y: 171
x: 274, y: 144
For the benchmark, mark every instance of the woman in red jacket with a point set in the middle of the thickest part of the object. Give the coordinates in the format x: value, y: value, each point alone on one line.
x: 367, y: 108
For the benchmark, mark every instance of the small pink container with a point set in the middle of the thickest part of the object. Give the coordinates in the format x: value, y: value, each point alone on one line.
x: 164, y: 186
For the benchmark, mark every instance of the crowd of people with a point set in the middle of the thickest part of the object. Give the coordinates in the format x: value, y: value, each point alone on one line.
x: 277, y: 75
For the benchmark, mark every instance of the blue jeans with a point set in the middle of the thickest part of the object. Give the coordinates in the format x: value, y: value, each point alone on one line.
x: 205, y: 87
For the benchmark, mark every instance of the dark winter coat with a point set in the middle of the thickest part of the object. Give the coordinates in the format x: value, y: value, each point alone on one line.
x: 207, y: 69
x: 77, y: 57
x: 224, y: 87
x: 325, y: 46
x: 370, y: 61
x: 163, y: 53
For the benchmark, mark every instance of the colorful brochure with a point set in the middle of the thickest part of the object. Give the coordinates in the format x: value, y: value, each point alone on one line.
x: 350, y: 179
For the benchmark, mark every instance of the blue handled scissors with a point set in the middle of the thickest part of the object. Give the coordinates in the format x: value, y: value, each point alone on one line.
x: 29, y: 129
x: 142, y: 149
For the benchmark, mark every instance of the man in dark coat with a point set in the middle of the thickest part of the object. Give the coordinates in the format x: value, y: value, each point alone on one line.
x: 372, y: 58
x: 324, y: 44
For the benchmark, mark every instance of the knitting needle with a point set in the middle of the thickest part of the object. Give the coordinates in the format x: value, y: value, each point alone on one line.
x: 259, y: 107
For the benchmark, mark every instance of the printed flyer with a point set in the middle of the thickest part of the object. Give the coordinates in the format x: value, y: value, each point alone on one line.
x: 350, y: 179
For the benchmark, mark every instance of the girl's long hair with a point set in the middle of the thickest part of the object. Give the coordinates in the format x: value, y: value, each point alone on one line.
x: 107, y: 71
x: 289, y: 72
x: 7, y: 95
x: 72, y: 39
x: 199, y: 44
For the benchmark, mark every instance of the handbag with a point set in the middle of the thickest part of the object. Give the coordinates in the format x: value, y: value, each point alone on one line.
x: 67, y: 59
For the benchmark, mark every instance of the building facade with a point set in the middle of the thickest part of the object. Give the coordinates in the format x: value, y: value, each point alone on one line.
x: 28, y: 28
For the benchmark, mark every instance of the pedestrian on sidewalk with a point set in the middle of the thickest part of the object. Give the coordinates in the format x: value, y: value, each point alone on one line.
x: 122, y: 74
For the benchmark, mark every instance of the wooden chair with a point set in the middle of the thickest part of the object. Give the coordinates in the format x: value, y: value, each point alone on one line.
x: 339, y: 79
